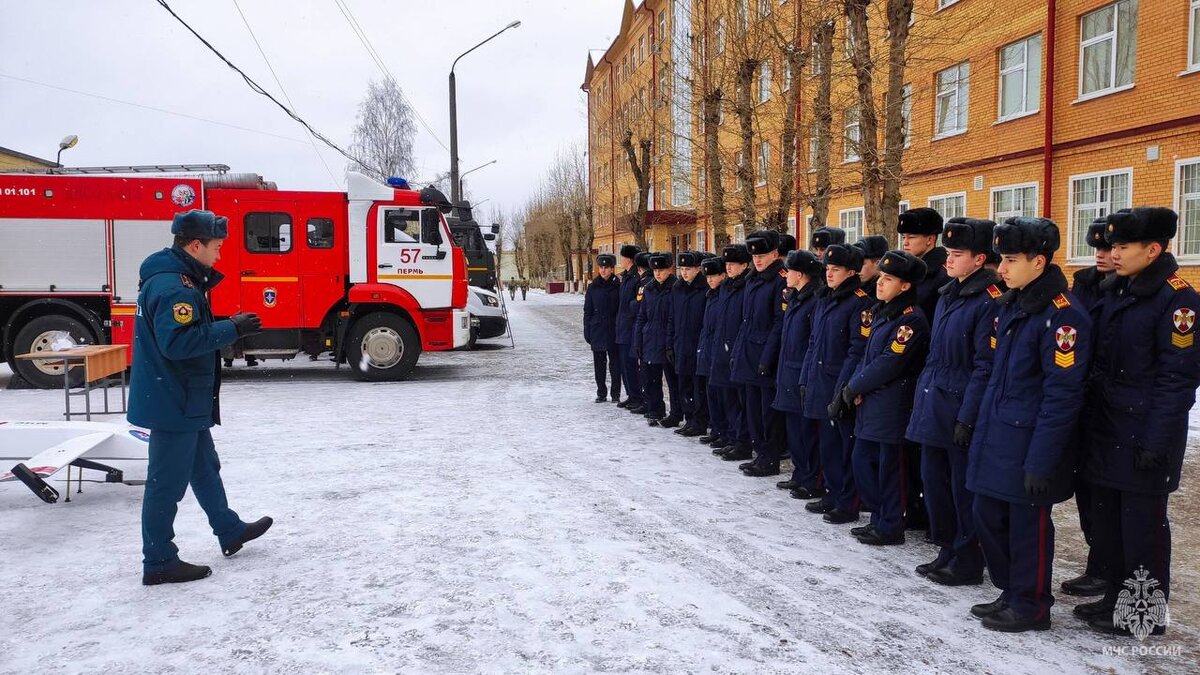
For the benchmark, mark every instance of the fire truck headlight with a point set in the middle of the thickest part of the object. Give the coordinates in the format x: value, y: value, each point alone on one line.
x: 488, y: 300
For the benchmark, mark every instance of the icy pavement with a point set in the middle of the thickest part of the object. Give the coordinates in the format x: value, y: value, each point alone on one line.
x: 487, y: 516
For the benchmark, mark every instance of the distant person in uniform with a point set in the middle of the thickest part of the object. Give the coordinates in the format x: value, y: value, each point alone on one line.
x: 524, y: 288
x: 512, y: 288
x: 600, y: 305
x: 174, y: 393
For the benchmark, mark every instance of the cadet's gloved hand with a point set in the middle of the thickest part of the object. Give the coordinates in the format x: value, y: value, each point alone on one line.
x: 246, y: 324
x: 1146, y: 460
x: 803, y: 391
x: 847, y: 397
x: 1035, y: 485
x: 836, y: 408
x: 962, y: 434
x: 670, y: 356
x: 764, y: 371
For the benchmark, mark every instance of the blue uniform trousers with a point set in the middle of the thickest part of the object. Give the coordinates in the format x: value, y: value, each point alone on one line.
x: 804, y: 447
x: 696, y: 410
x: 837, y: 447
x: 1131, y: 530
x: 950, y: 506
x: 718, y: 415
x: 1083, y: 501
x: 607, y: 364
x: 653, y: 375
x: 631, y: 374
x: 729, y: 401
x: 765, y: 424
x: 879, y: 476
x: 179, y: 459
x: 1018, y: 544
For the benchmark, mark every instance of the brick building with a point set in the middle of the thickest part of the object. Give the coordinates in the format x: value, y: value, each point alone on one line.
x: 11, y: 159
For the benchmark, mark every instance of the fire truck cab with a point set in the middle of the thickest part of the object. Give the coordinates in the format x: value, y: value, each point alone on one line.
x: 370, y: 275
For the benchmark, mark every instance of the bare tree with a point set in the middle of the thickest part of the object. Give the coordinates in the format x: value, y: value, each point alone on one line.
x: 899, y: 16
x: 383, y: 133
x: 858, y: 40
x: 823, y: 123
x: 639, y: 166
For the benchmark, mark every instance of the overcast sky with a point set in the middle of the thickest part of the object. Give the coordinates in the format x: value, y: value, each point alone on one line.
x: 518, y: 96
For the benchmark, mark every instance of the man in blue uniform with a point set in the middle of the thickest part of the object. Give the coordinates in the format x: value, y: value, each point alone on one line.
x: 174, y: 393
x: 713, y: 269
x: 1086, y: 283
x: 824, y: 237
x: 1021, y: 462
x: 881, y: 389
x: 683, y: 333
x: 756, y: 352
x: 600, y: 305
x: 919, y: 229
x: 873, y: 248
x: 835, y: 347
x: 626, y: 314
x: 947, y: 399
x: 1148, y: 366
x: 801, y: 433
x: 737, y: 262
x: 652, y: 347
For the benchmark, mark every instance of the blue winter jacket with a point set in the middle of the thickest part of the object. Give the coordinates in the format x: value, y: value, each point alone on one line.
x: 176, y: 345
x: 960, y: 360
x: 835, y: 346
x: 897, y: 343
x: 631, y: 282
x: 712, y: 319
x: 756, y: 348
x: 793, y: 345
x: 726, y: 330
x: 654, y: 315
x: 935, y: 278
x: 1027, y: 417
x: 1086, y: 286
x: 687, y: 319
x: 600, y: 305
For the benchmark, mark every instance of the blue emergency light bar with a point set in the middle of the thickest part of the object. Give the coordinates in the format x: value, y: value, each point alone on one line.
x: 398, y: 183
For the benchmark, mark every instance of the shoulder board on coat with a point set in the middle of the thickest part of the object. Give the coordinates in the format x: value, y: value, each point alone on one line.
x: 1177, y: 282
x: 994, y: 291
x: 1061, y: 301
x: 860, y: 293
x: 908, y: 310
x: 187, y: 281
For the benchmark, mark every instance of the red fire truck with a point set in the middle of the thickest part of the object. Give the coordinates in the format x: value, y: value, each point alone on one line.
x: 371, y: 275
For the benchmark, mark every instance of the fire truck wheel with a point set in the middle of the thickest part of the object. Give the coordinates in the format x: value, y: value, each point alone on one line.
x: 473, y: 339
x: 36, y: 336
x: 383, y: 346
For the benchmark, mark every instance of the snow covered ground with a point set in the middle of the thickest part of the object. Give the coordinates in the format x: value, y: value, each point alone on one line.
x: 487, y: 516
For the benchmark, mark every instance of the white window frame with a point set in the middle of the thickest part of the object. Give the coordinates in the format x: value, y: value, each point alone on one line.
x: 851, y: 235
x: 943, y: 4
x: 941, y: 198
x: 743, y: 16
x: 1193, y: 38
x: 764, y: 163
x: 996, y: 217
x: 737, y: 174
x: 850, y: 151
x: 788, y: 74
x: 1115, y: 36
x: 813, y: 141
x: 1177, y: 243
x: 701, y: 239
x: 764, y: 82
x: 961, y: 91
x: 817, y: 63
x: 739, y: 234
x: 906, y: 113
x: 764, y: 8
x: 1071, y: 206
x: 1026, y: 70
x: 719, y: 35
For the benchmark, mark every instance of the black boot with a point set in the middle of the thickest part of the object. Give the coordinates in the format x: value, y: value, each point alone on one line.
x: 639, y: 409
x: 947, y: 577
x: 1008, y: 621
x: 696, y: 430
x: 1085, y: 585
x: 709, y: 439
x: 839, y: 517
x: 937, y: 563
x: 253, y: 531
x: 807, y: 493
x: 819, y: 506
x: 623, y: 404
x: 670, y: 421
x: 1093, y: 610
x: 738, y: 452
x: 762, y: 470
x: 181, y: 573
x: 988, y: 608
x: 1104, y: 624
x: 601, y: 399
x: 861, y: 530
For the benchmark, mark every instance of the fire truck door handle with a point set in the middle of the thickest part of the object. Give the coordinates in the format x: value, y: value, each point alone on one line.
x: 384, y: 265
x: 248, y: 273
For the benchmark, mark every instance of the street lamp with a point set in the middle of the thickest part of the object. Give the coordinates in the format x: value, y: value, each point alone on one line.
x: 462, y: 179
x: 455, y: 188
x: 65, y: 144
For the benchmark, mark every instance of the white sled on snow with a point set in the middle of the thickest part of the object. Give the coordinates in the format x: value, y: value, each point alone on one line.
x: 42, y: 449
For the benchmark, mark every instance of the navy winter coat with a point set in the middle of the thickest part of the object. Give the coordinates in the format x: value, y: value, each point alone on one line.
x: 756, y: 348
x: 654, y: 316
x: 726, y: 330
x: 1143, y: 380
x: 935, y: 278
x: 887, y: 374
x: 1031, y: 405
x: 713, y: 313
x: 960, y: 360
x: 835, y: 346
x: 631, y: 283
x: 600, y: 305
x: 793, y: 345
x: 1086, y: 286
x: 687, y: 319
x: 176, y: 375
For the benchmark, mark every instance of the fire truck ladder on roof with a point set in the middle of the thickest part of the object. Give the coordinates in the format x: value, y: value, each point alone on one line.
x: 143, y: 168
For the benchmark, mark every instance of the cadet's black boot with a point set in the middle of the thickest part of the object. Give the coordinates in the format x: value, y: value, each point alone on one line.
x: 670, y: 421
x: 861, y: 530
x: 623, y: 404
x: 253, y: 531
x: 939, y: 562
x: 738, y: 452
x: 819, y: 506
x: 718, y: 449
x: 181, y: 573
x: 600, y: 399
x: 807, y: 493
x: 788, y: 484
x: 1008, y: 621
x: 1093, y: 610
x: 696, y: 430
x: 947, y: 577
x: 839, y: 517
x: 1104, y: 624
x: 1085, y: 585
x: 762, y: 470
x: 639, y: 409
x: 877, y: 538
x: 988, y: 608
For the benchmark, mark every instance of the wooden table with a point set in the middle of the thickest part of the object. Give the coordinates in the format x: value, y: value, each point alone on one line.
x: 100, y: 364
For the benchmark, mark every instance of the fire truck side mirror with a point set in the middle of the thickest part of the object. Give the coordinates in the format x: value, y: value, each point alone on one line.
x: 489, y: 237
x: 495, y: 229
x: 431, y: 227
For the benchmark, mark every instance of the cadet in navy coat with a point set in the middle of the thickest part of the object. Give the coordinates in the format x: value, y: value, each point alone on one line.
x: 824, y: 237
x: 947, y: 399
x: 882, y: 390
x: 600, y: 304
x: 174, y: 392
x: 919, y: 229
x: 756, y: 351
x: 683, y: 332
x: 1020, y: 462
x: 1086, y: 282
x: 836, y: 345
x: 737, y: 262
x: 802, y: 434
x: 652, y: 346
x: 1148, y: 366
x: 631, y: 281
x: 713, y: 269
x: 873, y: 248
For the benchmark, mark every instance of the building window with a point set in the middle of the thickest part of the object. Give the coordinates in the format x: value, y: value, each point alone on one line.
x: 719, y: 35
x: 1108, y: 39
x: 662, y: 26
x: 812, y: 148
x: 1194, y: 37
x: 738, y: 171
x: 701, y: 239
x: 849, y: 46
x: 1188, y: 207
x: 950, y: 206
x: 851, y: 220
x: 764, y: 82
x: 851, y: 135
x: 764, y: 8
x: 1012, y: 201
x: 788, y: 74
x: 1095, y: 196
x: 1020, y: 77
x: 739, y: 234
x: 950, y: 115
x: 943, y: 4
x: 743, y: 16
x: 764, y: 163
x: 906, y: 113
x: 818, y: 66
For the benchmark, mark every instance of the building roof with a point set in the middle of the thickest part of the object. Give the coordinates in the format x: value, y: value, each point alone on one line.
x: 27, y: 158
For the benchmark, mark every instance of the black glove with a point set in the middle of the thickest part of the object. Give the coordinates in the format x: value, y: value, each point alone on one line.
x: 836, y: 408
x: 246, y: 324
x: 670, y: 356
x: 1145, y: 460
x: 802, y: 391
x: 764, y: 371
x: 1035, y: 485
x: 962, y: 434
x: 847, y: 397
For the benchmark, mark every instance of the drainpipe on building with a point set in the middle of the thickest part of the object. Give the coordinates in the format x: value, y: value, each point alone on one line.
x: 612, y: 171
x: 1048, y: 124
x: 653, y: 168
x: 799, y: 116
